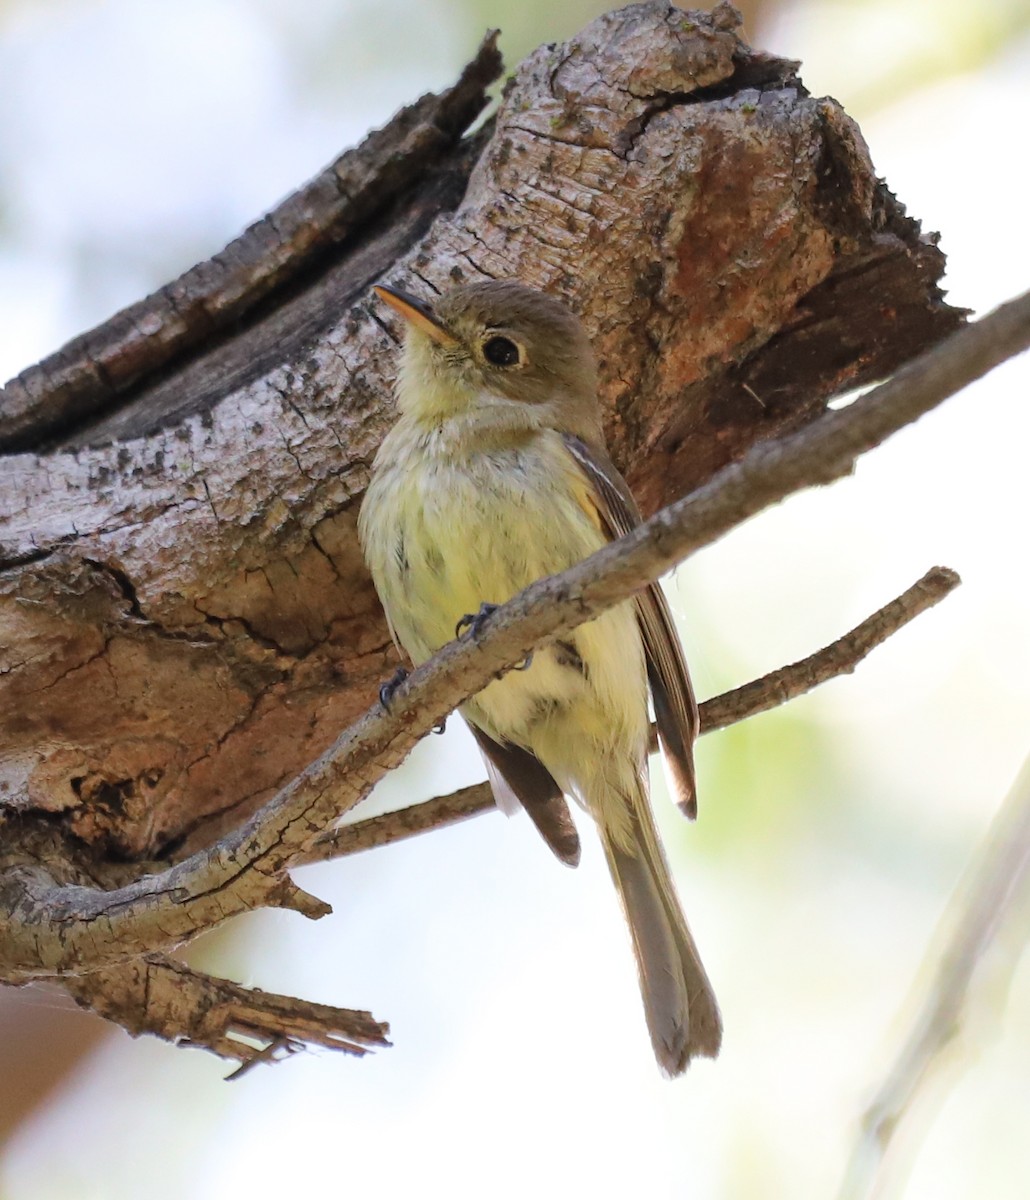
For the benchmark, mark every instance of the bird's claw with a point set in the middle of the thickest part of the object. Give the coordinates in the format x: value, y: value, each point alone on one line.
x: 391, y: 685
x: 474, y: 622
x: 440, y: 726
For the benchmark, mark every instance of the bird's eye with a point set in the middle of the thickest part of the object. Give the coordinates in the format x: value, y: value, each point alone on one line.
x: 501, y: 351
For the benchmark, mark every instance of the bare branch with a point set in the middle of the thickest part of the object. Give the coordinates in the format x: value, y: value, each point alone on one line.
x: 71, y: 929
x: 166, y: 998
x: 402, y: 823
x: 995, y: 891
x: 838, y: 658
x: 841, y: 657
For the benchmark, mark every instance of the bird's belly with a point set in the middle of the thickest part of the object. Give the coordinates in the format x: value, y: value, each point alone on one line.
x: 583, y: 692
x: 475, y: 534
x: 481, y: 531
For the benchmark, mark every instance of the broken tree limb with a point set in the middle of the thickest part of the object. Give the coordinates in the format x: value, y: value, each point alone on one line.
x: 157, y: 995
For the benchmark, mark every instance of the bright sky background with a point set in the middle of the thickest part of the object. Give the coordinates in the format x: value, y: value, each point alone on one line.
x: 136, y: 138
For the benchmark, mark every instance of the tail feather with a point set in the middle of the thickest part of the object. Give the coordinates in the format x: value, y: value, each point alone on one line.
x: 679, y: 1004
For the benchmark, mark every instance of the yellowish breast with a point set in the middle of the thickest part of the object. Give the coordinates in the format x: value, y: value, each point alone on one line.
x: 446, y: 529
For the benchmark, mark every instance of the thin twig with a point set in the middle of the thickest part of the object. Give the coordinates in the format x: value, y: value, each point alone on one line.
x: 54, y: 930
x: 839, y: 658
x: 995, y: 888
x: 402, y: 823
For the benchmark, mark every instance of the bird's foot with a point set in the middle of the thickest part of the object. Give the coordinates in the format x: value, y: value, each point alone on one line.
x: 473, y: 623
x: 387, y: 690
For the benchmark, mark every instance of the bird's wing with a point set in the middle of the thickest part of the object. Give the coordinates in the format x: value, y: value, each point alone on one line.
x: 515, y: 774
x: 674, y: 704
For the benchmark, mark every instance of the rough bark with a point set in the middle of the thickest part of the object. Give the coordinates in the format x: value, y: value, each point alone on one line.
x: 185, y: 620
x: 158, y: 995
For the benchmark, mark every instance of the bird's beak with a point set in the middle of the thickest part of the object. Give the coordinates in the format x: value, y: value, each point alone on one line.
x: 415, y: 312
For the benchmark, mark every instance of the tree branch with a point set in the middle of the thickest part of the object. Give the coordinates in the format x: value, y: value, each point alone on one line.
x: 778, y: 687
x: 994, y: 893
x: 71, y: 929
x: 160, y: 996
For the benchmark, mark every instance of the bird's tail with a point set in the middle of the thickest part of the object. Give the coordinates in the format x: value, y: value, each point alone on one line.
x: 682, y: 1014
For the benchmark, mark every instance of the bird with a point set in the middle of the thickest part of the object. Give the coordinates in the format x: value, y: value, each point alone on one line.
x: 496, y: 474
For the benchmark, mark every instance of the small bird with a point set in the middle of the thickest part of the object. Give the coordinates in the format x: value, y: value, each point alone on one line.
x: 495, y: 475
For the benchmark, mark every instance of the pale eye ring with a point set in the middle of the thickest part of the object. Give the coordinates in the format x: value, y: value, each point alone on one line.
x: 501, y: 351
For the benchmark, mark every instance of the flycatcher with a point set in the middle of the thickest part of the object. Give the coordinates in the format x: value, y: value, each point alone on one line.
x: 495, y: 475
